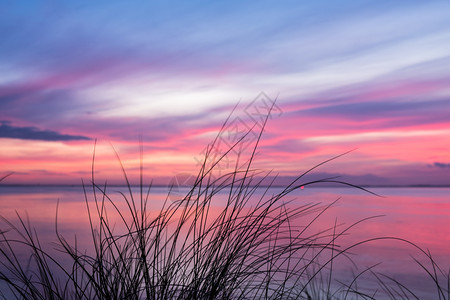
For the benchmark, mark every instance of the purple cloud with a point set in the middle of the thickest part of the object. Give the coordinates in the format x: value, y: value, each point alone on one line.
x: 33, y: 133
x: 441, y: 165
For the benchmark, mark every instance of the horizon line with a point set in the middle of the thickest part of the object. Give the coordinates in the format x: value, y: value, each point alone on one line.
x: 316, y: 185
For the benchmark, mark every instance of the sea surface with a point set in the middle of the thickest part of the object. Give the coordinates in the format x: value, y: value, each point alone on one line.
x: 417, y: 215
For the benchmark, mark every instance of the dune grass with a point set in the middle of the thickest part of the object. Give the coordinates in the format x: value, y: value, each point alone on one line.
x: 249, y: 249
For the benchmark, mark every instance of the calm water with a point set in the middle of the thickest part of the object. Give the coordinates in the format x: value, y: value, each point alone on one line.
x: 420, y: 215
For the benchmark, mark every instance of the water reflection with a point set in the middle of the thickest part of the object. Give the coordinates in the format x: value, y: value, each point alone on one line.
x: 420, y: 215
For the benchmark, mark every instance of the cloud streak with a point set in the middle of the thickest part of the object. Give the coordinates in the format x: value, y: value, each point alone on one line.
x: 33, y: 133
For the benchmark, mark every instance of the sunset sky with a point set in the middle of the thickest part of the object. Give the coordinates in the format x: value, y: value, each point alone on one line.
x: 368, y: 76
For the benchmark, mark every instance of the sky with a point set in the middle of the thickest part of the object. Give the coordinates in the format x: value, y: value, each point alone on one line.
x: 370, y: 77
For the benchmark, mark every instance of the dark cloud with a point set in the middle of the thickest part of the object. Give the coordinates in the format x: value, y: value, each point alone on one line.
x: 33, y: 133
x: 441, y: 165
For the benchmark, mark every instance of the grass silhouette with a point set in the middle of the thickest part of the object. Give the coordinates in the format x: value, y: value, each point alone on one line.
x: 246, y: 250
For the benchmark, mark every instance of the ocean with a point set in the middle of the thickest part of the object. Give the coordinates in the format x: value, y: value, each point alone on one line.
x: 394, y: 218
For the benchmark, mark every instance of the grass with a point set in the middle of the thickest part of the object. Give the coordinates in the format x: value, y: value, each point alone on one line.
x: 249, y: 249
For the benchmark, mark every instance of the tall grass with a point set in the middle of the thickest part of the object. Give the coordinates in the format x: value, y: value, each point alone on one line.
x: 261, y: 248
